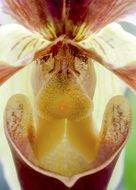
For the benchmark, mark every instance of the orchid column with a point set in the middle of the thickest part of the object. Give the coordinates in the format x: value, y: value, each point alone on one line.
x: 55, y: 131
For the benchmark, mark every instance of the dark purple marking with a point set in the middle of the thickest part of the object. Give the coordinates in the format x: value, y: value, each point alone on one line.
x: 55, y: 8
x: 78, y: 11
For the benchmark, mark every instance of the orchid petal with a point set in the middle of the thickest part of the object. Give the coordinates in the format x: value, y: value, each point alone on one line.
x: 17, y: 49
x: 115, y: 49
x: 42, y: 16
x: 97, y: 14
x: 54, y: 18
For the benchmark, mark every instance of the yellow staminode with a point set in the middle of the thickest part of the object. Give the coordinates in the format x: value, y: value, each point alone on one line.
x: 62, y: 97
x: 64, y: 127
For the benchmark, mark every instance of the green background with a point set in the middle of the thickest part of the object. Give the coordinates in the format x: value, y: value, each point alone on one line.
x: 129, y: 179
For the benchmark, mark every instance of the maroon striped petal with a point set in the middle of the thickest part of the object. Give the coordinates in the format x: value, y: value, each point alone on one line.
x: 96, y: 14
x: 53, y: 18
x: 44, y: 16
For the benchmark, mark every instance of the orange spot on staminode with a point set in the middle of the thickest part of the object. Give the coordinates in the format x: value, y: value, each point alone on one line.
x: 63, y: 106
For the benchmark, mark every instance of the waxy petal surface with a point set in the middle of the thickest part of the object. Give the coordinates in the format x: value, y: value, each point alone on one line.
x: 115, y: 48
x: 42, y: 16
x: 97, y: 14
x: 18, y: 47
x: 113, y: 136
x: 54, y: 18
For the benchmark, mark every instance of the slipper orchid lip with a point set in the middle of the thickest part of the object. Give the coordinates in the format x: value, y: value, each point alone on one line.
x: 68, y: 181
x: 119, y: 132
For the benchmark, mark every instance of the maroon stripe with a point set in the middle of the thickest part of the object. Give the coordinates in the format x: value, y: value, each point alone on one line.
x: 7, y: 71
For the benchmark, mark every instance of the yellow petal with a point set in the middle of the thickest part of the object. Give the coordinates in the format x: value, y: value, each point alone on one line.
x: 17, y: 49
x: 115, y: 49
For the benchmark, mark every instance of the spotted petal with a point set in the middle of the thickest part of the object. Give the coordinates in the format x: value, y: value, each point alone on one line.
x: 115, y: 49
x: 17, y: 48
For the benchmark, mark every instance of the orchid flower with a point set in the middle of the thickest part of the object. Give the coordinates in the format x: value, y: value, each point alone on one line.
x: 56, y: 139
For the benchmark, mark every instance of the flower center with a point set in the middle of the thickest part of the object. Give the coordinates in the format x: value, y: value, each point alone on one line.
x: 64, y: 84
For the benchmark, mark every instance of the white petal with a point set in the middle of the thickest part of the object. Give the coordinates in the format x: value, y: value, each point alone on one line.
x: 16, y: 42
x: 17, y: 48
x: 115, y: 49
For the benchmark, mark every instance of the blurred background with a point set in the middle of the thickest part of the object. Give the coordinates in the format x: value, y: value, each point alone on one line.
x: 129, y: 177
